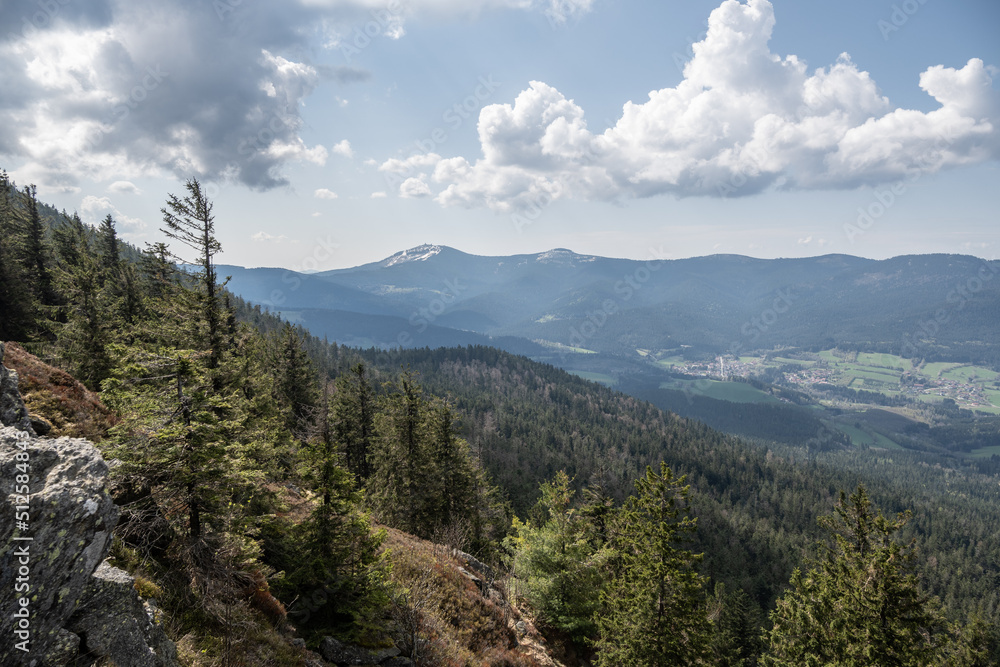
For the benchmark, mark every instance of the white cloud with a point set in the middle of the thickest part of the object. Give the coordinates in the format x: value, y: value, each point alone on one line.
x: 103, y: 93
x: 323, y: 193
x: 379, y: 195
x: 94, y: 209
x: 806, y: 241
x: 742, y: 120
x: 264, y: 237
x: 343, y: 148
x: 113, y: 98
x: 124, y: 188
x: 414, y: 188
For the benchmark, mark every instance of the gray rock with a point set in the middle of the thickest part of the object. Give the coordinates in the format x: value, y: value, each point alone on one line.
x: 39, y: 424
x: 113, y: 623
x: 56, y: 550
x: 12, y: 410
x: 474, y: 563
x: 339, y: 653
x: 398, y: 661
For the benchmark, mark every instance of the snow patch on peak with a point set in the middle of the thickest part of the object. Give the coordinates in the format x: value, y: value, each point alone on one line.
x: 419, y: 254
x: 562, y: 256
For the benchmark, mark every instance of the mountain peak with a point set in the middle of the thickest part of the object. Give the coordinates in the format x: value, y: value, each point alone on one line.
x: 421, y: 253
x: 562, y: 256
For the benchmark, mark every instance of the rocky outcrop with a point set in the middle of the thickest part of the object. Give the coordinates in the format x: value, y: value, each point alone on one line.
x: 55, y: 533
x: 113, y: 623
x: 12, y: 410
x: 346, y: 654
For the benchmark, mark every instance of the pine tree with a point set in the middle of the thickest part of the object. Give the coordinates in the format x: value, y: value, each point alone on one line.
x: 108, y: 244
x: 860, y: 604
x: 558, y: 569
x: 16, y: 303
x: 296, y: 381
x: 85, y: 336
x: 157, y: 270
x: 190, y: 221
x: 353, y: 416
x: 36, y: 249
x: 736, y: 628
x: 338, y: 571
x: 455, y: 475
x: 654, y: 612
x: 401, y: 466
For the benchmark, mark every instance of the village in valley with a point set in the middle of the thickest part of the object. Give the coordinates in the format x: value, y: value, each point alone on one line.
x: 971, y: 387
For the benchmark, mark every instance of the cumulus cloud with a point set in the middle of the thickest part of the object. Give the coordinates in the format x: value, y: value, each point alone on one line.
x: 343, y: 148
x: 99, y: 90
x: 94, y: 209
x: 324, y: 193
x: 124, y: 188
x: 106, y: 94
x: 742, y: 120
x: 414, y: 188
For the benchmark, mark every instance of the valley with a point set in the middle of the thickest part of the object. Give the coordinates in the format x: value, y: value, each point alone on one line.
x: 833, y: 350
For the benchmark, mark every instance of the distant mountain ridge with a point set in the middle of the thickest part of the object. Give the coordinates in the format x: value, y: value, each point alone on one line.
x: 918, y: 305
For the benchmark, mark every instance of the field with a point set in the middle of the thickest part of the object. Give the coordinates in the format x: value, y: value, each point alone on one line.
x: 986, y: 452
x: 972, y: 387
x: 735, y: 392
x: 860, y: 438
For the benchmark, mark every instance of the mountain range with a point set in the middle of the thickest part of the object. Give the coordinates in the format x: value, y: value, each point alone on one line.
x: 559, y: 305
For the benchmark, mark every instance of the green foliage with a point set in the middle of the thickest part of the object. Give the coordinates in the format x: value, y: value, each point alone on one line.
x: 424, y: 479
x: 860, y: 604
x: 654, y: 611
x: 296, y: 386
x: 736, y: 622
x: 557, y: 566
x: 190, y: 221
x: 353, y: 415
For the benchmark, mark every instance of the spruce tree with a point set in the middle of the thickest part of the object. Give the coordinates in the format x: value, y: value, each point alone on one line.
x: 654, y: 612
x: 36, y: 249
x: 108, y: 244
x: 16, y: 302
x: 189, y: 220
x: 296, y: 381
x: 859, y: 603
x: 353, y: 417
x: 401, y: 466
x: 558, y: 569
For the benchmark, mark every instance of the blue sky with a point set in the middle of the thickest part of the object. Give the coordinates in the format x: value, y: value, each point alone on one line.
x: 337, y: 132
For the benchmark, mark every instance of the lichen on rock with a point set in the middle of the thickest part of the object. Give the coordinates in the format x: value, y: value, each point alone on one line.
x: 54, y: 537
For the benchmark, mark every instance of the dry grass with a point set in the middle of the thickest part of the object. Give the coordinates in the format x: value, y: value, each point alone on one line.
x: 453, y: 620
x: 71, y: 408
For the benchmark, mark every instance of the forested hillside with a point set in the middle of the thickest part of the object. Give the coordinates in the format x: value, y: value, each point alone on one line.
x: 258, y: 465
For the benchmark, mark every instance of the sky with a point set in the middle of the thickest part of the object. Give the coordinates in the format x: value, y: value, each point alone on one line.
x: 331, y: 133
